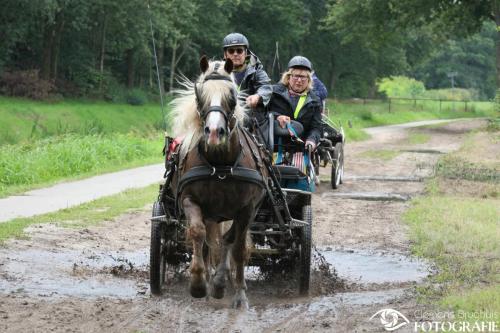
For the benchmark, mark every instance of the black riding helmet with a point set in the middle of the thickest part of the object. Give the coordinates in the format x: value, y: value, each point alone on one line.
x: 234, y: 39
x: 300, y: 61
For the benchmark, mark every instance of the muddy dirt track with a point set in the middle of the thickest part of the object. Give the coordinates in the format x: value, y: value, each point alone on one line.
x: 96, y: 279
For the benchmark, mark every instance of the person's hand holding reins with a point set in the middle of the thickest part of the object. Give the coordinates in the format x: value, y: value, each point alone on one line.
x: 311, y: 145
x: 283, y: 120
x: 253, y: 100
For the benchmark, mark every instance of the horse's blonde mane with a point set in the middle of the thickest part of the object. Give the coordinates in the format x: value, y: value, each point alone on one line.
x: 184, y: 115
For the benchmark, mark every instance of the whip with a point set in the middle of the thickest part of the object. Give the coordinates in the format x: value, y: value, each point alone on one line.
x: 157, y: 70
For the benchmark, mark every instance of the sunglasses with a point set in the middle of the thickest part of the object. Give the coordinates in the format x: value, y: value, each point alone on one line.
x: 299, y: 77
x: 237, y: 51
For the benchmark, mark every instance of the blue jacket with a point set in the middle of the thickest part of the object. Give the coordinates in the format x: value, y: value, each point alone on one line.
x: 319, y: 88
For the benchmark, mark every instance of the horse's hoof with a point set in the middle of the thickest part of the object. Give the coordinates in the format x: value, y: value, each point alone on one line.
x: 217, y: 292
x: 218, y: 286
x: 198, y: 288
x: 198, y: 291
x: 240, y: 303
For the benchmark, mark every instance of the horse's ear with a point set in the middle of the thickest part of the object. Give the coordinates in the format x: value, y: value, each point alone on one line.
x: 228, y: 66
x: 203, y: 63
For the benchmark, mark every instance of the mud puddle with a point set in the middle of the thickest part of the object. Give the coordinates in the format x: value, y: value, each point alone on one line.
x: 74, y: 273
x: 371, y: 267
x: 124, y: 274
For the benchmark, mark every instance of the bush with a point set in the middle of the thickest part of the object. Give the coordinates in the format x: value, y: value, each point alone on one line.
x: 114, y: 91
x: 25, y: 84
x: 457, y: 94
x: 136, y: 97
x: 400, y: 86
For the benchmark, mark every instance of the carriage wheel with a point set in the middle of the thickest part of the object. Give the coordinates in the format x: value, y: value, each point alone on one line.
x: 340, y: 147
x: 305, y: 251
x: 157, y: 255
x: 337, y: 166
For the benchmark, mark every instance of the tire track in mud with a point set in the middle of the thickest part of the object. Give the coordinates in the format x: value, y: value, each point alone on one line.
x: 350, y: 231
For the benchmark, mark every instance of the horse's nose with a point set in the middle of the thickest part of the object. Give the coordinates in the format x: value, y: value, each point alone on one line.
x: 215, y: 134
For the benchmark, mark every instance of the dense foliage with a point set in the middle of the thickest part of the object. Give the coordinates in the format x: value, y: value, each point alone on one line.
x: 102, y: 48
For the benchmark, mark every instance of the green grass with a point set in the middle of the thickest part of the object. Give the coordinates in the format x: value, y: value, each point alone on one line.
x: 460, y: 234
x: 384, y: 155
x: 415, y: 138
x: 42, y: 162
x: 480, y: 302
x: 456, y: 168
x: 92, y: 213
x: 25, y: 120
x: 376, y: 113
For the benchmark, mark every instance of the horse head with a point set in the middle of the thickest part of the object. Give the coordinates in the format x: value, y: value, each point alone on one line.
x: 216, y: 97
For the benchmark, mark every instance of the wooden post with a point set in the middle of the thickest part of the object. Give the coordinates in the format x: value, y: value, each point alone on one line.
x: 439, y: 105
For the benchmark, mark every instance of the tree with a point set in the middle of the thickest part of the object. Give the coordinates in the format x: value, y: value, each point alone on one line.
x: 364, y: 49
x: 450, y: 17
x: 473, y: 58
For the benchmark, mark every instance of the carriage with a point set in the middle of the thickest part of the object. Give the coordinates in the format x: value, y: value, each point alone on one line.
x: 330, y: 150
x: 223, y: 172
x: 280, y: 233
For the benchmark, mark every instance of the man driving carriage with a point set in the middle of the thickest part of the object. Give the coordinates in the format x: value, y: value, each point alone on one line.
x: 248, y: 73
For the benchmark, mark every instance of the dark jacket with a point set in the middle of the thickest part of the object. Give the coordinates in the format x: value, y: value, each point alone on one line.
x: 256, y: 81
x: 319, y: 88
x: 309, y: 115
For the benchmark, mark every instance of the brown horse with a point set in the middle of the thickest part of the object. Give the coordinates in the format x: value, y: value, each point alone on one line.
x: 220, y: 176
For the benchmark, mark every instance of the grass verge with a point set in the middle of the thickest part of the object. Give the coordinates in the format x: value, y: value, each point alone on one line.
x: 457, y: 226
x: 356, y: 116
x: 45, y: 161
x: 25, y: 120
x: 91, y: 213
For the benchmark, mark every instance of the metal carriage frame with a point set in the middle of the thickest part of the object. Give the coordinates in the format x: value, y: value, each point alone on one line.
x: 330, y: 150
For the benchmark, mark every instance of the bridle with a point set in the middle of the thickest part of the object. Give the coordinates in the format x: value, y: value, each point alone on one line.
x: 203, y: 112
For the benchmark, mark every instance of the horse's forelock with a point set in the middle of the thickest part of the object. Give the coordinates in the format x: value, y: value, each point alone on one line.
x: 184, y: 115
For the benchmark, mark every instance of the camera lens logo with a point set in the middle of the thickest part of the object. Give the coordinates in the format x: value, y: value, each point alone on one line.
x: 391, y: 319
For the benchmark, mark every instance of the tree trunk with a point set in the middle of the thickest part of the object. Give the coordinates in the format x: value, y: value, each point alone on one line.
x: 150, y: 75
x: 129, y: 55
x: 102, y: 48
x: 48, y: 41
x: 173, y: 63
x: 496, y: 14
x: 56, y: 45
x: 333, y: 79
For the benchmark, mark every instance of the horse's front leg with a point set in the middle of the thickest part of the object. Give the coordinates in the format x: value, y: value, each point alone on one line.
x: 197, y: 233
x: 240, y: 256
x: 219, y: 280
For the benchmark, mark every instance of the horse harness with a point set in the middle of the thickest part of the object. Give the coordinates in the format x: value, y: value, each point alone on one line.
x: 208, y: 171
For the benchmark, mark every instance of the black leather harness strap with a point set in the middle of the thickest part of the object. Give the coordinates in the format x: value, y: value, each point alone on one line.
x: 204, y: 172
